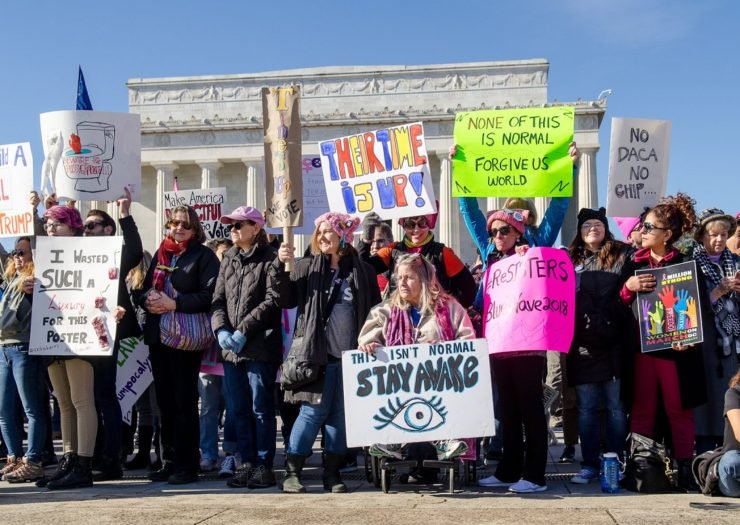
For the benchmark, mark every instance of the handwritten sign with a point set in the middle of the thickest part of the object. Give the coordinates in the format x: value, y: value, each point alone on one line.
x: 134, y: 374
x: 672, y: 312
x: 513, y: 153
x: 16, y: 183
x: 385, y: 171
x: 75, y: 292
x: 281, y: 115
x: 529, y: 302
x: 91, y: 155
x: 638, y: 165
x: 209, y: 204
x: 420, y: 392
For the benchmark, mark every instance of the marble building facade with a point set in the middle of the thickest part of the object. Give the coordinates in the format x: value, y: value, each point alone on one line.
x: 207, y: 131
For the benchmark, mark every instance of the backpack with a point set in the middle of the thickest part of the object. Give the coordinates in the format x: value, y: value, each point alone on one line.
x: 705, y: 470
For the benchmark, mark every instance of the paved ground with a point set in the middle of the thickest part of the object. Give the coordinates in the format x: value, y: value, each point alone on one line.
x: 137, y: 501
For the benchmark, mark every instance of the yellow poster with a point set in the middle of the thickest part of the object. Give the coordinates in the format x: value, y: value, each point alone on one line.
x: 519, y: 152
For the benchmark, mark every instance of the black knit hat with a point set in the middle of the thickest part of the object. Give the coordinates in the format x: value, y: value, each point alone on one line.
x: 587, y: 214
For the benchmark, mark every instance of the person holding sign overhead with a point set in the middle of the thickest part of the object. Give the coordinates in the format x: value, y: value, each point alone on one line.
x: 452, y: 273
x: 677, y: 372
x: 333, y: 291
x: 720, y: 311
x: 418, y: 311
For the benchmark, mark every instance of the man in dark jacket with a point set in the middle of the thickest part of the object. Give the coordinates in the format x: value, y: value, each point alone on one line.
x: 108, y: 451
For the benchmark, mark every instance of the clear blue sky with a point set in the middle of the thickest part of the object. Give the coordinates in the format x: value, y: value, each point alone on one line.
x: 674, y: 60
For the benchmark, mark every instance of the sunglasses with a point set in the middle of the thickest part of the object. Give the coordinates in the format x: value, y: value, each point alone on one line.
x: 518, y: 215
x: 180, y: 224
x: 409, y: 224
x: 647, y: 227
x: 17, y: 253
x: 238, y: 225
x: 92, y: 224
x: 503, y: 230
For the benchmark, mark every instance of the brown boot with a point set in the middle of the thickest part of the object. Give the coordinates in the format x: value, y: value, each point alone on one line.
x: 12, y: 464
x: 28, y: 471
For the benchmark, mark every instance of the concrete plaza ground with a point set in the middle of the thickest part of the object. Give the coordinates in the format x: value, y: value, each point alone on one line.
x: 134, y: 500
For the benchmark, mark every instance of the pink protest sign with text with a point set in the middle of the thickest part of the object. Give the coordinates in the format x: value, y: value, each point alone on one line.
x: 529, y: 302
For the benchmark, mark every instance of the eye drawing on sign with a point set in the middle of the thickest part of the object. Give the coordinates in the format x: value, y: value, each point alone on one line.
x: 54, y: 147
x: 87, y: 160
x: 414, y: 415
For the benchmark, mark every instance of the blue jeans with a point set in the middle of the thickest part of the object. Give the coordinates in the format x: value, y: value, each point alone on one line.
x: 330, y: 413
x: 22, y: 375
x: 210, y: 392
x: 250, y: 403
x: 591, y: 397
x: 729, y: 474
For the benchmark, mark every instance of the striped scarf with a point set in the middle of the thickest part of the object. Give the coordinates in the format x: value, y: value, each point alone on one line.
x: 400, y: 329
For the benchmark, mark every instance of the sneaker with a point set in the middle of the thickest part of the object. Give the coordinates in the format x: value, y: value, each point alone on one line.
x: 450, y: 449
x: 11, y: 464
x: 228, y: 467
x: 242, y: 476
x: 526, y: 487
x: 208, y: 465
x: 386, y: 451
x: 584, y: 476
x: 492, y: 481
x: 568, y: 455
x: 262, y: 478
x: 182, y: 477
x: 28, y: 471
x: 163, y: 474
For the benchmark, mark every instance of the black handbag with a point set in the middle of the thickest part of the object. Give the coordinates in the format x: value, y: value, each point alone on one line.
x: 649, y: 468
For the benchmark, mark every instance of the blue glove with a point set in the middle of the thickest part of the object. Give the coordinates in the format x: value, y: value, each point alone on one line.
x: 225, y: 340
x: 239, y: 341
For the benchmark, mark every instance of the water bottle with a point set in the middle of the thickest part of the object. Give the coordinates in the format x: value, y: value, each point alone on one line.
x: 610, y: 469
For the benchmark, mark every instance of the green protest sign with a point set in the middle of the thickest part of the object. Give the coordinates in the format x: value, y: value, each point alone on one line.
x: 513, y: 153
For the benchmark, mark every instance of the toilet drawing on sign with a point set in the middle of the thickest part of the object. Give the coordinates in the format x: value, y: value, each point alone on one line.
x: 87, y: 159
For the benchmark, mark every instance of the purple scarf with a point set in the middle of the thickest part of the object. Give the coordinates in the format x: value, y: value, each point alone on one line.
x: 400, y: 329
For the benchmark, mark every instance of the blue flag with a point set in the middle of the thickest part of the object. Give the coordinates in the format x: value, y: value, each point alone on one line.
x: 83, y: 99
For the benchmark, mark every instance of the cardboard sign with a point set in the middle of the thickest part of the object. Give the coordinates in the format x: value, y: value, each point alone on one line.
x: 672, y: 312
x: 134, y: 374
x: 638, y: 165
x: 420, y: 392
x: 529, y: 302
x: 385, y: 171
x: 16, y: 184
x: 209, y: 204
x: 91, y: 155
x: 513, y: 153
x: 281, y: 117
x: 75, y: 292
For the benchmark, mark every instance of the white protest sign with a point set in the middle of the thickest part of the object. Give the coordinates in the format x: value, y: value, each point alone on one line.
x: 75, y: 292
x: 315, y: 202
x: 91, y: 155
x: 134, y: 374
x: 385, y: 171
x: 16, y: 184
x: 419, y: 392
x: 209, y: 204
x: 638, y: 165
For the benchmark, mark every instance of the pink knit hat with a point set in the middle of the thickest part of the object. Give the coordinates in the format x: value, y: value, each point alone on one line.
x: 344, y: 225
x: 627, y: 224
x: 66, y: 215
x: 517, y: 219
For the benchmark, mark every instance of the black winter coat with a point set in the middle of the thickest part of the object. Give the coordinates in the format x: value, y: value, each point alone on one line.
x: 130, y: 257
x: 245, y: 300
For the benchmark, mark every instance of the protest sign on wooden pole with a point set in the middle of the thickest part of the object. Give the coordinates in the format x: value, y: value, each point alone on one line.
x: 281, y: 119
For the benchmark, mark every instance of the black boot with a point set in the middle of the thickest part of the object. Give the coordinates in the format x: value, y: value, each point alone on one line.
x: 64, y: 467
x: 109, y: 470
x: 79, y: 477
x: 143, y: 455
x: 686, y: 482
x: 331, y: 477
x: 293, y: 469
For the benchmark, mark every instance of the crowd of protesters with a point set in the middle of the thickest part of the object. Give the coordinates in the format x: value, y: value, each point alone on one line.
x: 220, y: 368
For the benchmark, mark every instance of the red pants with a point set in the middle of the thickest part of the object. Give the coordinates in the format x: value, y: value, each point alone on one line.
x: 651, y: 373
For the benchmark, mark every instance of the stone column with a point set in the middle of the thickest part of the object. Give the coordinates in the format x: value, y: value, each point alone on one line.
x: 585, y: 194
x: 165, y: 173
x: 255, y: 183
x: 448, y: 220
x: 209, y: 173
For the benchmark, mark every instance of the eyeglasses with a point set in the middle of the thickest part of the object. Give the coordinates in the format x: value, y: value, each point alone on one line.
x: 410, y: 224
x: 598, y: 225
x: 180, y: 224
x: 238, y: 225
x: 503, y: 230
x: 92, y: 224
x: 648, y: 227
x: 17, y: 253
x: 53, y: 225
